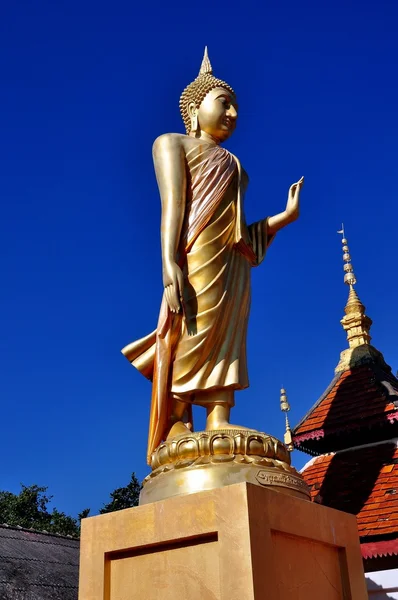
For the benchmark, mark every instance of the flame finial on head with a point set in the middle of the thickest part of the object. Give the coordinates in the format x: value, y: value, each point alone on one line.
x: 196, y: 91
x: 205, y: 67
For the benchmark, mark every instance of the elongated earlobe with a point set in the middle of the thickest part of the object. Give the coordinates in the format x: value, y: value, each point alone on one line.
x: 194, y: 122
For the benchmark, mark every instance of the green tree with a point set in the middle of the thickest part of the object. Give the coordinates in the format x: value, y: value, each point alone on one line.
x: 29, y: 509
x: 84, y: 514
x: 124, y: 497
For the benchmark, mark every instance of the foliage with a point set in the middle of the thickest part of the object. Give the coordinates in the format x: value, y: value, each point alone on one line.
x: 124, y: 497
x: 84, y: 514
x: 29, y: 508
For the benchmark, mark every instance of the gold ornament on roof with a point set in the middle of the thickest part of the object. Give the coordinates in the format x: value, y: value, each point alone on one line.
x: 197, y: 90
x: 349, y: 277
x: 355, y: 322
x: 285, y: 407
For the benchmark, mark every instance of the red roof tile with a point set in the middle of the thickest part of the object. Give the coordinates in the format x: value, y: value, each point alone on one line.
x: 356, y: 398
x: 363, y: 482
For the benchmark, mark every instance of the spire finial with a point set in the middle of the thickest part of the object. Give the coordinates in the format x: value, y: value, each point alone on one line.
x: 349, y: 277
x: 355, y: 322
x: 205, y: 67
x: 285, y: 407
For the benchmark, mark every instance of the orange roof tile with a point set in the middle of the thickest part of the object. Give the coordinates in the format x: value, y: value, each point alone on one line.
x: 356, y: 399
x: 364, y: 482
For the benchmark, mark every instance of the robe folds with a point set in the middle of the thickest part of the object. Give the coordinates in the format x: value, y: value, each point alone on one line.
x: 204, y: 348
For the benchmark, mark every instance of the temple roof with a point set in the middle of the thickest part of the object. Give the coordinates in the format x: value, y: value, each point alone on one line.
x: 353, y: 428
x: 359, y: 406
x: 37, y: 566
x: 362, y: 481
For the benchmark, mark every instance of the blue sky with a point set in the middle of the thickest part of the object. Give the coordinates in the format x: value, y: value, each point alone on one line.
x: 86, y: 88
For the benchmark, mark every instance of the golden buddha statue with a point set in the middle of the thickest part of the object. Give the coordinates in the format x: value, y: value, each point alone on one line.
x: 197, y: 354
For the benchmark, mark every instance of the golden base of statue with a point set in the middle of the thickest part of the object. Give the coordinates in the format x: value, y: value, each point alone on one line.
x: 205, y: 460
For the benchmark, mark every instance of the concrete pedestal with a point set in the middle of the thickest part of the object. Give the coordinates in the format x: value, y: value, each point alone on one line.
x: 239, y: 542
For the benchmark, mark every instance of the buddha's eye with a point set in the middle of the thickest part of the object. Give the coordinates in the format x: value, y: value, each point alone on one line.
x: 225, y: 102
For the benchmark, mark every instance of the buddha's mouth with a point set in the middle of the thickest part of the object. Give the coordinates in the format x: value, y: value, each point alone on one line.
x: 229, y: 123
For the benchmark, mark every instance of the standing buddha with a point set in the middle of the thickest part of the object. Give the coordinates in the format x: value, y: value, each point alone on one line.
x: 197, y: 354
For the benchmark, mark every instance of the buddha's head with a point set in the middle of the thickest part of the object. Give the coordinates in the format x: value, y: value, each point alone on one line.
x: 209, y: 104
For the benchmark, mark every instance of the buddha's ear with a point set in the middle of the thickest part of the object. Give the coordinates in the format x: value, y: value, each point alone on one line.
x: 193, y: 115
x: 192, y: 110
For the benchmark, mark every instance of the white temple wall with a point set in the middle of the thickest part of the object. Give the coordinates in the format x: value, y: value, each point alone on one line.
x: 382, y: 585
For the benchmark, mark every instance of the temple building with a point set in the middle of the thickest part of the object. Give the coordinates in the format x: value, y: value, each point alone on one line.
x: 352, y: 434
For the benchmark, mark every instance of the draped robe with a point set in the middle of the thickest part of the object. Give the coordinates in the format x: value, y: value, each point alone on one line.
x: 204, y: 348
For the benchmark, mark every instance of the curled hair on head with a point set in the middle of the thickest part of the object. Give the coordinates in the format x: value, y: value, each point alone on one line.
x: 196, y: 91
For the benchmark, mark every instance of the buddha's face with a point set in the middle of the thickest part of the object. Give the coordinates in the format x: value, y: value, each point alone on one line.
x: 218, y: 113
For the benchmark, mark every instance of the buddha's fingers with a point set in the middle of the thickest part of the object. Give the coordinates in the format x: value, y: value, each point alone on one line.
x: 174, y: 302
x: 168, y: 298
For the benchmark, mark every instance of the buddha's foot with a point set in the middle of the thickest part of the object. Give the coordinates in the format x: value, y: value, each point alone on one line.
x: 178, y: 428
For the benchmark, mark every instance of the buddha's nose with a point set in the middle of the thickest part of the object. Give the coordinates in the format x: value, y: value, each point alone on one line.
x: 231, y: 112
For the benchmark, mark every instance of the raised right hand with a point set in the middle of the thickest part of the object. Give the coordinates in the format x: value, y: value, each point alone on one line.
x: 293, y: 200
x: 173, y: 282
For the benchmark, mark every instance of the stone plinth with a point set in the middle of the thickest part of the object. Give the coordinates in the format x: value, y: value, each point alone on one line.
x: 239, y: 542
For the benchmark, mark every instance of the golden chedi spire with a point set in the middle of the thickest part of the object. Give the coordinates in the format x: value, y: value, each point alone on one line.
x: 355, y: 322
